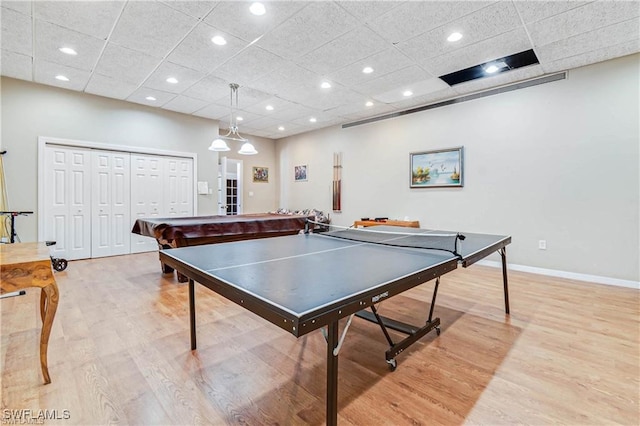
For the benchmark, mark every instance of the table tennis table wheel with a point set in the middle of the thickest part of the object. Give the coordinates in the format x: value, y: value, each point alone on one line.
x: 437, y: 331
x: 59, y: 264
x: 393, y: 364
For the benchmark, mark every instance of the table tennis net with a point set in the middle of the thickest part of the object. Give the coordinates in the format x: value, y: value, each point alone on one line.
x: 419, y: 239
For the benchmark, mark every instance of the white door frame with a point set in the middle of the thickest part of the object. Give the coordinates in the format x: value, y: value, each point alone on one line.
x: 43, y: 141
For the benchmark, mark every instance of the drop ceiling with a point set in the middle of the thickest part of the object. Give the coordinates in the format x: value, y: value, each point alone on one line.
x: 127, y: 49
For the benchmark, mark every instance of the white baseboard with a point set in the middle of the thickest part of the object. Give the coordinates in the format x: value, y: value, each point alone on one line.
x: 563, y: 274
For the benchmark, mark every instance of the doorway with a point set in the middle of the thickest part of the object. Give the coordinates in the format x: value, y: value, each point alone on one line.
x: 229, y: 186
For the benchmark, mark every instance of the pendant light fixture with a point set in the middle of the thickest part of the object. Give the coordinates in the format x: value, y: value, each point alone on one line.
x: 219, y: 143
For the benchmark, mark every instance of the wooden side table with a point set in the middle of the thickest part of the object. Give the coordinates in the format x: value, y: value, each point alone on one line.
x: 24, y: 265
x: 405, y: 223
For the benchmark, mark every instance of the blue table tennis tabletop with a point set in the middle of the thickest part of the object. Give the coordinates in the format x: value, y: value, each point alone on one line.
x: 309, y: 281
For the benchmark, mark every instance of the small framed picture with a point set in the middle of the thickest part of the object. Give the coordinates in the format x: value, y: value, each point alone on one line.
x: 261, y: 174
x: 300, y: 173
x: 436, y: 168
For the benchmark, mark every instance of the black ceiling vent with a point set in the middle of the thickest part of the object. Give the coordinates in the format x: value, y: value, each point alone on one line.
x: 511, y: 62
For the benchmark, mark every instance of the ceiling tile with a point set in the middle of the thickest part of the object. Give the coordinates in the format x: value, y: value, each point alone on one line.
x: 428, y: 99
x: 384, y: 62
x: 140, y: 95
x: 310, y: 28
x: 209, y: 89
x: 248, y: 96
x: 582, y: 19
x: 296, y: 111
x: 478, y: 53
x: 184, y: 104
x: 23, y: 7
x: 418, y: 88
x: 492, y: 21
x: 16, y: 32
x: 16, y: 65
x: 533, y: 11
x: 344, y: 50
x: 260, y: 108
x: 263, y: 123
x: 247, y: 117
x: 214, y: 111
x: 249, y: 65
x: 185, y: 76
x: 282, y: 80
x: 125, y: 64
x: 593, y: 40
x: 365, y: 11
x: 45, y: 73
x: 413, y: 18
x: 198, y: 52
x: 152, y: 28
x: 50, y: 38
x: 398, y: 80
x: 229, y: 17
x: 95, y: 18
x: 197, y: 9
x: 109, y: 87
x: 599, y: 55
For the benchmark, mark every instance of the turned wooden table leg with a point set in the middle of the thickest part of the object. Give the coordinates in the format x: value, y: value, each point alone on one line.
x: 48, y: 304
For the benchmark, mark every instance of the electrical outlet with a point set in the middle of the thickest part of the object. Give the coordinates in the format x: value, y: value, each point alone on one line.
x: 542, y: 244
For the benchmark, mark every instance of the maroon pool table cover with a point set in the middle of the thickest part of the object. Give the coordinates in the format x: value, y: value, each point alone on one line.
x: 196, y: 230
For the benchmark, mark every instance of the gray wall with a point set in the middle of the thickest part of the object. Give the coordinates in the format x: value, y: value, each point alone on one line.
x: 30, y: 110
x: 556, y: 162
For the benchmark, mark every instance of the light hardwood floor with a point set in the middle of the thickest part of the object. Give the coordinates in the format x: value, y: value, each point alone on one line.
x: 119, y: 354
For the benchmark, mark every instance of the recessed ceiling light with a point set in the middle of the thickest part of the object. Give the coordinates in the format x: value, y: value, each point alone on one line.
x: 61, y: 78
x: 313, y: 119
x: 257, y: 9
x: 239, y: 118
x: 150, y: 98
x: 68, y: 51
x: 369, y: 104
x: 367, y: 70
x: 325, y: 85
x: 454, y: 37
x: 219, y: 40
x: 494, y: 67
x: 281, y: 128
x: 269, y: 108
x: 407, y: 93
x: 172, y: 80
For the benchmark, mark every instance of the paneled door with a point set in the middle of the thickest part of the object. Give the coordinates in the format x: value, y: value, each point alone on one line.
x: 110, y: 203
x: 67, y: 201
x: 147, y: 177
x: 178, y: 187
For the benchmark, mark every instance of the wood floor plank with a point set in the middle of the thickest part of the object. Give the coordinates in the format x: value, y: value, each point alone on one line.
x: 119, y: 354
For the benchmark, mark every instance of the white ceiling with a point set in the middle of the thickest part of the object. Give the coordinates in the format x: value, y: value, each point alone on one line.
x: 127, y: 49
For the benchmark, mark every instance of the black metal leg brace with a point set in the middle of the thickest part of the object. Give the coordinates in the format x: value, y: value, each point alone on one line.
x: 414, y: 333
x: 192, y: 313
x: 503, y: 255
x: 332, y: 374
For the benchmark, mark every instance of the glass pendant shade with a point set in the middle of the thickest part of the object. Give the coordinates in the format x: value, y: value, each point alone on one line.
x: 219, y: 145
x: 247, y: 149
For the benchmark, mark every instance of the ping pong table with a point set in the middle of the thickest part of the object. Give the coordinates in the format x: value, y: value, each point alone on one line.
x: 309, y: 281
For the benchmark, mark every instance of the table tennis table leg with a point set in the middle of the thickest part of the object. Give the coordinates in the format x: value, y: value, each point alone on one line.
x: 192, y: 313
x: 332, y: 374
x: 503, y: 255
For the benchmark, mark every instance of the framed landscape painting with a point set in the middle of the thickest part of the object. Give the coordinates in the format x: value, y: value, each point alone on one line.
x: 261, y: 174
x: 437, y: 168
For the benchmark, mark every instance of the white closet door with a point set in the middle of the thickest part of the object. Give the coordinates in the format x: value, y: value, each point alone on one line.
x: 146, y: 196
x: 110, y: 198
x: 178, y: 187
x: 67, y: 208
